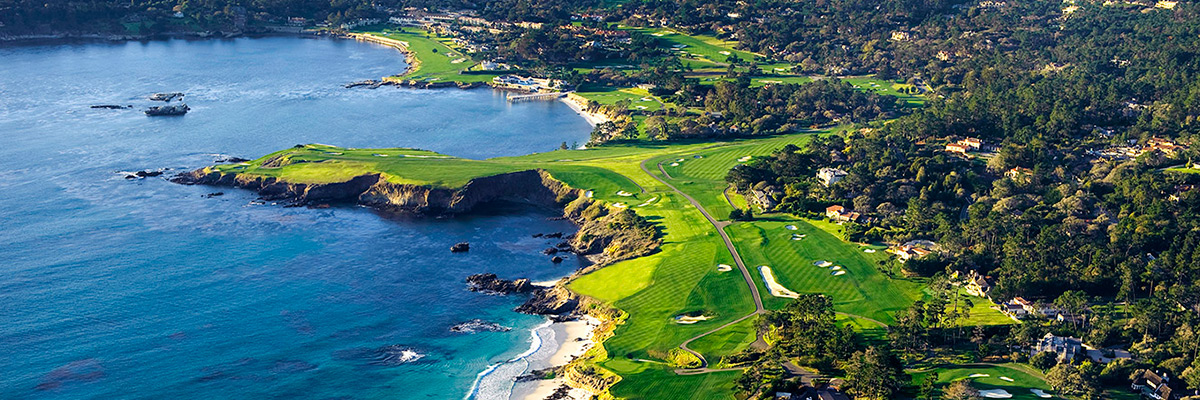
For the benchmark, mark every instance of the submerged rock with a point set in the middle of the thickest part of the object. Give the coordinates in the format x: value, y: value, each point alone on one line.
x: 479, y: 325
x: 460, y: 247
x: 556, y: 260
x: 550, y: 251
x: 214, y: 194
x: 166, y: 96
x: 112, y: 106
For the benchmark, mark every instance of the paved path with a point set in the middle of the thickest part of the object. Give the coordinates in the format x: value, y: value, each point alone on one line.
x: 737, y: 258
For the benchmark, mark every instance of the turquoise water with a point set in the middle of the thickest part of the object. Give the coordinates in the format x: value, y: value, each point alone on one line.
x: 143, y: 289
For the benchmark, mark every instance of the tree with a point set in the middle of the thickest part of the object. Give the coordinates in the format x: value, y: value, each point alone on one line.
x: 874, y: 374
x: 1043, y: 360
x: 1068, y: 379
x: 928, y: 390
x: 960, y: 390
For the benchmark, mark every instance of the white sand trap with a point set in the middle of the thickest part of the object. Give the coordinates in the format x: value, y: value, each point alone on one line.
x: 458, y: 61
x: 869, y: 251
x: 839, y: 273
x: 822, y: 263
x: 380, y: 155
x: 724, y: 268
x: 995, y: 394
x: 797, y: 238
x: 790, y: 227
x: 744, y: 159
x: 623, y: 193
x: 836, y: 268
x: 686, y: 320
x: 657, y: 34
x: 1006, y: 379
x: 978, y: 375
x: 774, y: 287
x: 697, y: 156
x: 679, y: 160
x: 652, y: 199
x: 674, y: 164
x: 620, y: 205
x: 588, y: 194
x: 1040, y: 393
x: 766, y: 81
x: 642, y: 107
x: 647, y: 99
x: 725, y: 53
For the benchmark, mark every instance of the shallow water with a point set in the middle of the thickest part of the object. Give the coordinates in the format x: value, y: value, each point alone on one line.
x: 112, y: 288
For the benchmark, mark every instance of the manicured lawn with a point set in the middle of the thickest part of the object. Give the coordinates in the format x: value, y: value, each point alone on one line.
x: 639, y: 99
x: 885, y: 87
x: 653, y: 381
x: 697, y: 47
x: 1023, y: 378
x: 437, y: 59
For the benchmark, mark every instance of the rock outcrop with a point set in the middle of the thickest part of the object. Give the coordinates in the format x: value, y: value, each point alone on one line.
x: 550, y: 301
x: 490, y: 283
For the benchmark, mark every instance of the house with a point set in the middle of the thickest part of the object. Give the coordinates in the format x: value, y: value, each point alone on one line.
x: 838, y: 213
x: 1156, y: 386
x: 957, y: 148
x: 914, y: 249
x: 830, y: 176
x: 1018, y: 173
x: 975, y: 144
x: 1065, y: 348
x: 978, y: 285
x: 1018, y: 308
x: 1166, y: 146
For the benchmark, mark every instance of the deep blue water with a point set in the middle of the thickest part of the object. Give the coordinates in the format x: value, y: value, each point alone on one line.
x: 144, y: 289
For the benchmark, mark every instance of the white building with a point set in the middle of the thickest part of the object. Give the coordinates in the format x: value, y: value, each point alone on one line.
x: 829, y: 176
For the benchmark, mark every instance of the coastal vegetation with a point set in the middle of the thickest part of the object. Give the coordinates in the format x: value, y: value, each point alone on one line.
x: 905, y: 197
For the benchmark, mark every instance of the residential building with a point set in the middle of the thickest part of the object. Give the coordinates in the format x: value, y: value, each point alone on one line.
x: 1156, y: 386
x: 957, y: 148
x: 838, y: 213
x: 914, y: 249
x: 1064, y: 348
x: 830, y: 176
x: 1018, y: 173
x: 978, y: 285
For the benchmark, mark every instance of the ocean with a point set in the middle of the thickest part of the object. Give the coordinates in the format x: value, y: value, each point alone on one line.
x: 115, y: 288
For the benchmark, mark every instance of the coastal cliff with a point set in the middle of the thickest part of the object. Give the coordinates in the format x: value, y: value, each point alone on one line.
x: 603, y: 236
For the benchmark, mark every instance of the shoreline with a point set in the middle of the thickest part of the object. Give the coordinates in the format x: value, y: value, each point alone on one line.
x: 592, y: 119
x: 552, y: 345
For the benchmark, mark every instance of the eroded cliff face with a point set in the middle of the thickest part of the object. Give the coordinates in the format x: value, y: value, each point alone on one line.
x: 531, y: 187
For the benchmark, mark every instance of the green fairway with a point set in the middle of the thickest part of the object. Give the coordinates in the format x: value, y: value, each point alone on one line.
x: 885, y: 87
x: 696, y: 47
x: 437, y: 60
x: 642, y: 380
x: 639, y: 99
x: 1023, y: 378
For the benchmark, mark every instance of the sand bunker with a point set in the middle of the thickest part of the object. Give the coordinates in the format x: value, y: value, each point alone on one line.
x: 620, y: 205
x: 791, y: 227
x: 744, y: 159
x: 836, y: 268
x: 688, y: 320
x: 679, y: 160
x: 458, y: 61
x: 977, y: 375
x: 652, y: 199
x: 1006, y: 379
x: 774, y: 287
x: 822, y: 263
x: 1041, y: 393
x: 869, y: 251
x: 839, y: 273
x: 624, y: 193
x: 995, y: 394
x: 380, y: 155
x: 674, y: 164
x: 725, y: 53
x: 588, y: 194
x: 797, y: 237
x: 724, y: 267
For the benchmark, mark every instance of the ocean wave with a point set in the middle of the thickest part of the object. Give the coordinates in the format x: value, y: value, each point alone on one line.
x: 386, y: 356
x: 496, y: 382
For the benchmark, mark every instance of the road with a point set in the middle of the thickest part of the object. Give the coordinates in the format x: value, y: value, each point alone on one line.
x: 737, y: 258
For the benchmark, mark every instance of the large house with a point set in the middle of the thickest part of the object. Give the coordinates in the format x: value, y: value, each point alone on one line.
x: 913, y: 249
x: 830, y: 176
x: 978, y: 285
x: 1065, y: 348
x: 1156, y: 386
x: 965, y: 145
x: 838, y: 213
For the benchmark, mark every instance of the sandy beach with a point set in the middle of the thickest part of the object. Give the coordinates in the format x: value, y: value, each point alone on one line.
x: 592, y: 118
x: 570, y: 339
